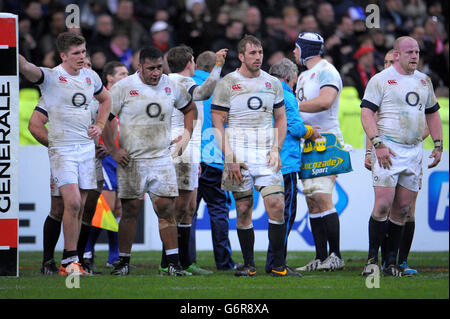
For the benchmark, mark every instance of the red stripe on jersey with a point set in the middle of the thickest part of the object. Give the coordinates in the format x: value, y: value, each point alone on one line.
x: 8, y: 232
x: 8, y: 33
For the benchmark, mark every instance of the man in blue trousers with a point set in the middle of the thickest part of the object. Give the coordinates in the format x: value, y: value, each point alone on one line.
x: 217, y: 201
x: 286, y: 71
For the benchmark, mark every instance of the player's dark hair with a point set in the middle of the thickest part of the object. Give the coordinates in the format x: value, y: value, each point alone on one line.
x: 178, y: 57
x: 66, y: 40
x: 248, y: 39
x: 110, y: 69
x: 151, y: 53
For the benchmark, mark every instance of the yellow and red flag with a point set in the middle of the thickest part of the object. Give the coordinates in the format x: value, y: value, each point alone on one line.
x: 103, y: 217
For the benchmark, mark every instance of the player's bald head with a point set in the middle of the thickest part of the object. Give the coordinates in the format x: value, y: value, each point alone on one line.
x: 401, y: 41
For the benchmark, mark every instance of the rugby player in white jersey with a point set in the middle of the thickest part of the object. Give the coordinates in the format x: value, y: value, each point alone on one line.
x: 144, y: 103
x: 408, y: 232
x: 52, y: 224
x: 251, y: 103
x: 67, y: 91
x: 318, y: 92
x: 181, y: 63
x: 405, y: 102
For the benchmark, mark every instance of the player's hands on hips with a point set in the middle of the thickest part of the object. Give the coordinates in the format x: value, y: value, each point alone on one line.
x: 436, y: 154
x: 384, y: 156
x: 121, y: 156
x: 94, y: 131
x: 220, y: 57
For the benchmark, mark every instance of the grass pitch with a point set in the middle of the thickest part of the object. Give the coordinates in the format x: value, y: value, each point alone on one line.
x: 432, y: 282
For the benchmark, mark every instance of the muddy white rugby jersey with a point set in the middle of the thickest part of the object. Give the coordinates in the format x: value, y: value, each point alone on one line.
x: 178, y: 116
x: 250, y: 103
x: 401, y: 102
x: 145, y: 113
x: 67, y: 98
x: 308, y: 87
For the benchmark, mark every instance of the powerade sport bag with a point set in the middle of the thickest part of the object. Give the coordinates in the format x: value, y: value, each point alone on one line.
x: 325, y: 156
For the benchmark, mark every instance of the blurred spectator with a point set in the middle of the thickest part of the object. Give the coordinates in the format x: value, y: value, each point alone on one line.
x: 308, y: 23
x: 160, y: 36
x: 218, y: 25
x: 435, y: 10
x: 193, y: 26
x: 233, y: 33
x: 124, y: 20
x: 359, y: 21
x: 432, y: 39
x: 364, y: 70
x: 275, y: 38
x: 57, y: 25
x: 104, y: 29
x: 342, y: 44
x: 89, y: 11
x: 291, y: 19
x: 253, y: 22
x: 325, y: 18
x: 33, y: 10
x: 27, y: 43
x: 119, y: 49
x: 236, y: 9
x: 393, y: 19
x: 416, y: 10
x: 380, y: 46
x: 150, y: 11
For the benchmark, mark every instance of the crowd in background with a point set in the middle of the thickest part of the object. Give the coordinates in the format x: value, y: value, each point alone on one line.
x: 117, y: 29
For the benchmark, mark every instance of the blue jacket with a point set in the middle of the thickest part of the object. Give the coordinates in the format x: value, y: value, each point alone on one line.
x: 290, y: 152
x: 210, y: 152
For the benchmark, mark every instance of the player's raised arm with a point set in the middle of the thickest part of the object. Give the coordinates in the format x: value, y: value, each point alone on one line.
x: 205, y: 91
x: 30, y: 71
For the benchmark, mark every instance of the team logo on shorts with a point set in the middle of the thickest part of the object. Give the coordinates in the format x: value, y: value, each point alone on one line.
x: 168, y: 90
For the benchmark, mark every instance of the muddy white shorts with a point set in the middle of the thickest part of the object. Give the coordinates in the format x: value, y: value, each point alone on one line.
x: 322, y: 184
x: 54, y: 190
x: 155, y: 176
x: 73, y: 164
x: 187, y: 175
x: 257, y: 175
x: 406, y: 168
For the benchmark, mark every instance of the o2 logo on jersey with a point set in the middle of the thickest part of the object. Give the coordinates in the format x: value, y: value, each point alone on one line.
x: 254, y: 103
x: 79, y: 99
x: 438, y: 191
x: 412, y: 98
x: 153, y: 110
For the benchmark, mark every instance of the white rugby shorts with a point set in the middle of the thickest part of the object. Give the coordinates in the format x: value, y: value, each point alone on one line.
x: 406, y: 168
x: 73, y: 164
x: 187, y: 175
x: 257, y: 175
x: 155, y: 176
x: 322, y: 184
